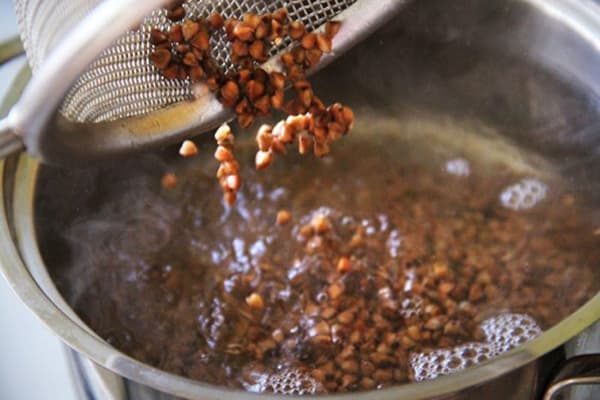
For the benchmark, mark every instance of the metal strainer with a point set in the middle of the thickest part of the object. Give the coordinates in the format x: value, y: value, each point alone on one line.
x: 94, y: 92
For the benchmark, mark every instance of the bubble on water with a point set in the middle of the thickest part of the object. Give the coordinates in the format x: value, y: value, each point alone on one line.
x: 411, y: 278
x: 502, y: 333
x: 524, y: 195
x: 411, y: 307
x: 348, y: 221
x: 258, y: 248
x: 287, y: 381
x: 239, y: 250
x: 278, y: 194
x: 458, y: 167
x: 393, y: 243
x: 369, y: 227
x: 384, y: 222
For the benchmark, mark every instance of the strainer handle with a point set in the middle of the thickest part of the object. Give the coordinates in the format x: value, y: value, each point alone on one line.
x: 10, y: 49
x: 579, y: 370
x: 10, y: 142
x: 31, y: 118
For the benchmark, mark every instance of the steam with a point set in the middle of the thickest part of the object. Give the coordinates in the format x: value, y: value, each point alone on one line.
x: 127, y: 231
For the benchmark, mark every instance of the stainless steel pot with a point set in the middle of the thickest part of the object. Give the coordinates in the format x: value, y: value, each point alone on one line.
x: 529, y: 68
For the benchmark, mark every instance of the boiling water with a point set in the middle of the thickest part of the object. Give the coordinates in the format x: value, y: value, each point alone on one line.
x: 467, y: 247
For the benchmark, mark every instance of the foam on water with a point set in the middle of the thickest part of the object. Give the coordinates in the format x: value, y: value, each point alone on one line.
x: 524, y: 195
x: 287, y: 381
x: 502, y: 333
x: 448, y: 361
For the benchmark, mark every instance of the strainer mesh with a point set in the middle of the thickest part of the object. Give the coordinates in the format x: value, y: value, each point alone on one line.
x: 122, y: 82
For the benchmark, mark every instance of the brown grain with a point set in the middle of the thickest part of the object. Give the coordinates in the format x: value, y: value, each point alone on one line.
x: 188, y: 149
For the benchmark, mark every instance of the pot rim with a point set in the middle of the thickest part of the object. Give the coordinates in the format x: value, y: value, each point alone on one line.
x: 581, y: 17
